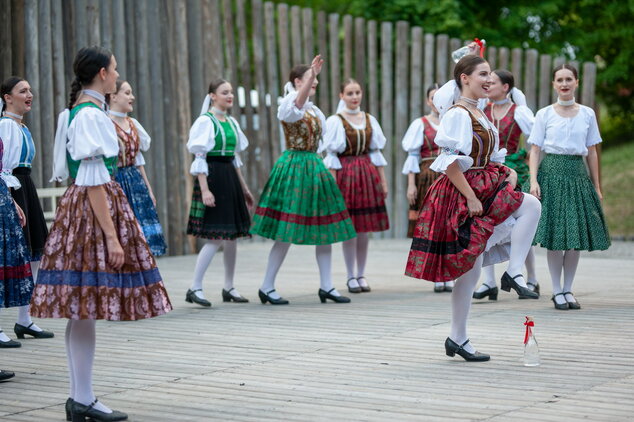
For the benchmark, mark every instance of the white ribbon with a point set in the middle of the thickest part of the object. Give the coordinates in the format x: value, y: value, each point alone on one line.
x: 446, y: 96
x: 518, y: 97
x: 60, y: 165
x: 341, y: 106
x: 206, y: 103
x: 288, y: 88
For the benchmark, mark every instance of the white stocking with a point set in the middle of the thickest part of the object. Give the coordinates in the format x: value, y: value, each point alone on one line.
x: 571, y: 261
x: 363, y: 242
x: 489, y: 278
x: 276, y: 258
x: 527, y: 216
x: 349, y: 248
x: 461, y: 304
x: 530, y: 266
x: 205, y: 256
x: 71, y: 372
x: 229, y: 258
x: 24, y: 319
x: 324, y: 262
x: 555, y: 266
x: 3, y: 336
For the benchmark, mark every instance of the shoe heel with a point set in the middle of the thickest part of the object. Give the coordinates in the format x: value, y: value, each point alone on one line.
x: 506, y: 286
x: 450, y: 353
x: 20, y: 336
x: 188, y: 299
x: 78, y: 418
x: 68, y: 416
x: 263, y: 297
x: 493, y: 296
x: 322, y: 298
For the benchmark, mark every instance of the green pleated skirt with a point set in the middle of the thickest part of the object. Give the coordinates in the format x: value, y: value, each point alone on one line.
x: 572, y: 216
x: 517, y: 162
x: 301, y: 203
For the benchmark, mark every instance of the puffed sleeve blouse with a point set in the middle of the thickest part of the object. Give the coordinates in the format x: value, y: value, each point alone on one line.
x: 455, y: 138
x: 11, y: 136
x: 412, y: 143
x: 555, y: 134
x: 525, y: 119
x: 335, y: 142
x: 144, y: 142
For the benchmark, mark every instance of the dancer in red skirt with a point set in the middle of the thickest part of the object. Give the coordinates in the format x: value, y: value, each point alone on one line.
x: 454, y: 235
x: 354, y: 140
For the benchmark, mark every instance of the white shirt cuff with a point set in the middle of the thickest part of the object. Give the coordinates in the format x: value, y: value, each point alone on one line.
x: 237, y: 162
x: 411, y: 164
x: 499, y: 157
x: 199, y: 166
x: 92, y: 172
x: 139, y: 160
x: 10, y: 180
x: 377, y: 158
x: 444, y: 160
x: 331, y: 161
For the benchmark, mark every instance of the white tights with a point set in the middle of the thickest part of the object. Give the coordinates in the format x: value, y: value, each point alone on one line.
x: 489, y: 271
x: 24, y: 318
x: 355, y: 251
x: 205, y: 256
x: 566, y: 262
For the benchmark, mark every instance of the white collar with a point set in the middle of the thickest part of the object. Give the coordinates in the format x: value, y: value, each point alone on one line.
x: 15, y: 116
x: 97, y: 96
x: 504, y: 101
x: 355, y: 111
x: 117, y: 113
x: 566, y: 103
x: 214, y: 110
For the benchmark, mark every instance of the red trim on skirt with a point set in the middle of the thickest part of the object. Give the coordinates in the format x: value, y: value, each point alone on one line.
x: 317, y: 220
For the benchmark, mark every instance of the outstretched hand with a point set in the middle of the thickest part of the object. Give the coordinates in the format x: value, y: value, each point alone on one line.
x: 316, y: 65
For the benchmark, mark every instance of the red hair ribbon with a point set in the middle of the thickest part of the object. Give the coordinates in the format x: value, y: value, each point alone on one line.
x: 529, y: 324
x: 481, y: 44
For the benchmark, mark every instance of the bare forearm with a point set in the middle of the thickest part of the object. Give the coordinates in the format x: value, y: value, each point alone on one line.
x: 456, y: 176
x: 145, y: 179
x: 533, y: 162
x: 302, y: 94
x: 245, y: 188
x: 411, y: 179
x: 99, y: 205
x: 202, y: 181
x: 593, y: 166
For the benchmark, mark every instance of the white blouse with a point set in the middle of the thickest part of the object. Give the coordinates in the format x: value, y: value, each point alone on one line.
x: 202, y: 139
x: 525, y: 119
x: 555, y: 134
x: 289, y: 113
x: 412, y: 143
x: 335, y: 141
x: 144, y: 142
x: 12, y: 138
x: 455, y: 134
x: 91, y: 137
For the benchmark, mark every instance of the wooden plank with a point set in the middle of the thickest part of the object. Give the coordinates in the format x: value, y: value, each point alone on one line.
x: 348, y: 38
x: 119, y: 39
x: 213, y: 65
x: 18, y: 38
x: 428, y: 68
x: 92, y: 21
x: 589, y: 84
x: 231, y: 62
x: 492, y: 57
x: 335, y: 76
x: 308, y: 38
x: 454, y: 44
x: 273, y: 81
x: 80, y: 23
x: 43, y: 145
x: 32, y: 63
x: 504, y: 58
x: 105, y: 25
x: 516, y: 66
x: 530, y: 78
x: 372, y: 87
x: 6, y: 65
x: 417, y: 91
x: 59, y: 55
x: 322, y: 48
x: 284, y: 42
x: 545, y: 85
x: 442, y: 57
x: 557, y: 61
x: 401, y: 122
x: 143, y: 107
x: 296, y: 36
x: 131, y: 49
x: 360, y: 59
x: 387, y: 108
x: 198, y: 87
x: 263, y: 159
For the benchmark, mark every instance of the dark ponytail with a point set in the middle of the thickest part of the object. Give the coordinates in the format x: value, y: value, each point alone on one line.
x: 298, y: 72
x: 88, y: 62
x: 6, y: 88
x: 506, y: 78
x: 466, y: 65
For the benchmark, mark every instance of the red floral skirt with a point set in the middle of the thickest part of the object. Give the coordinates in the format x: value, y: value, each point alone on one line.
x: 360, y: 186
x: 446, y: 240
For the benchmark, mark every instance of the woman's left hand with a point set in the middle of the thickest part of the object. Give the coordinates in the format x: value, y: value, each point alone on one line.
x: 248, y: 198
x: 384, y: 188
x: 21, y: 215
x: 153, y: 198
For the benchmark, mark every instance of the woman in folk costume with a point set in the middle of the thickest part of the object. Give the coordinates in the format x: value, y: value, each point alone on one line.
x: 16, y: 99
x: 572, y: 216
x: 353, y: 141
x: 457, y: 230
x: 97, y: 263
x: 508, y: 111
x: 301, y: 203
x: 133, y: 141
x: 219, y: 210
x: 421, y: 150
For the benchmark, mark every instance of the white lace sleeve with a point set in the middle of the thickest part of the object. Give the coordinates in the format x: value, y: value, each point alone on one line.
x: 11, y: 137
x: 377, y: 143
x: 454, y: 137
x: 334, y: 142
x: 202, y: 138
x: 525, y: 119
x: 412, y: 143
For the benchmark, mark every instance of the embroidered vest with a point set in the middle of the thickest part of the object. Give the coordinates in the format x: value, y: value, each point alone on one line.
x: 429, y: 150
x: 357, y: 140
x: 508, y: 129
x: 303, y: 135
x: 128, y: 144
x: 226, y: 137
x: 483, y: 141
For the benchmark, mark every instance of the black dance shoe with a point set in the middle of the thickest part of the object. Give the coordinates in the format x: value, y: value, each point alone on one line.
x: 439, y: 287
x: 357, y: 289
x: 452, y: 348
x: 192, y: 298
x: 69, y: 409
x: 83, y: 413
x: 6, y: 375
x: 491, y: 292
x: 323, y: 295
x: 9, y: 344
x: 21, y: 330
x: 228, y: 297
x: 509, y: 282
x: 366, y: 288
x: 264, y: 297
x: 574, y: 304
x: 561, y: 306
x: 531, y: 286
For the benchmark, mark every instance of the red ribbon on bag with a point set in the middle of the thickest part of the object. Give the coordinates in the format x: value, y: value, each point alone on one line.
x: 481, y: 44
x: 529, y: 331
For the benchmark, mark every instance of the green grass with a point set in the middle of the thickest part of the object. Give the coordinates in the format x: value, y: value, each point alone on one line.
x: 617, y: 180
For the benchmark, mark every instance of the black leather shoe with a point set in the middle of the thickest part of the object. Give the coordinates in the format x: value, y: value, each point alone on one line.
x: 439, y: 287
x: 357, y: 289
x: 9, y: 344
x: 452, y: 348
x: 83, y: 413
x: 561, y: 306
x: 491, y: 292
x: 192, y: 298
x: 449, y: 288
x: 531, y: 286
x: 69, y: 408
x: 364, y: 288
x: 323, y: 295
x: 21, y: 330
x: 509, y: 282
x: 228, y: 297
x: 6, y: 375
x: 264, y: 297
x: 574, y: 304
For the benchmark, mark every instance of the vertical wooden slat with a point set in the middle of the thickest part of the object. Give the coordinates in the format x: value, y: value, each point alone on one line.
x: 333, y: 31
x: 92, y: 21
x: 284, y: 42
x: 131, y: 48
x: 579, y: 90
x: 6, y: 52
x: 45, y: 95
x: 143, y: 106
x: 80, y: 20
x: 260, y: 140
x: 442, y: 57
x: 454, y: 44
x: 504, y: 58
x: 32, y: 63
x: 545, y: 87
x: 373, y: 78
x: 18, y: 38
x: 492, y: 57
x: 230, y: 51
x: 119, y: 39
x: 516, y: 66
x: 387, y: 107
x: 308, y: 40
x: 401, y: 101
x: 530, y: 85
x: 360, y: 57
x: 213, y: 64
x: 557, y: 61
x: 589, y: 83
x: 273, y: 80
x: 428, y: 68
x: 195, y: 40
x: 415, y: 74
x: 296, y: 35
x: 348, y: 37
x: 322, y: 48
x: 105, y: 25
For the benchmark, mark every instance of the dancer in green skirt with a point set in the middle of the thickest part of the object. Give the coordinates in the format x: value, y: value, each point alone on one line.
x: 301, y: 202
x: 572, y: 218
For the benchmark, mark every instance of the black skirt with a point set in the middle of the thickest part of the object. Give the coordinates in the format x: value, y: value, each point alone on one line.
x: 36, y: 230
x: 229, y: 219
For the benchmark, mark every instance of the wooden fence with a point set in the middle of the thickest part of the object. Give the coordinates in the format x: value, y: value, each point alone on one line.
x: 169, y: 50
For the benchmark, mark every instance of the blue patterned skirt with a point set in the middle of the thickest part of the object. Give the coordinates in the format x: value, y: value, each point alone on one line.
x: 16, y: 282
x: 138, y: 195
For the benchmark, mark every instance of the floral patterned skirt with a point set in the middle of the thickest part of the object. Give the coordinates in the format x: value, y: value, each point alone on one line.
x: 446, y: 240
x: 75, y: 280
